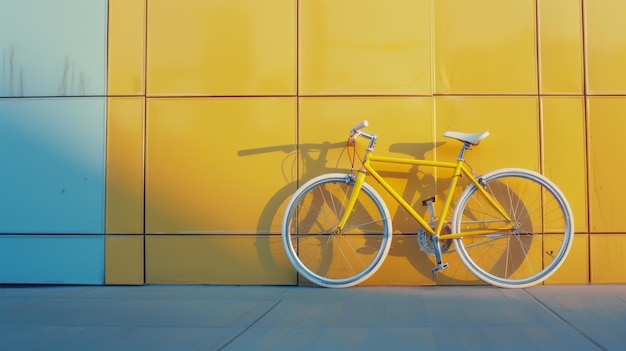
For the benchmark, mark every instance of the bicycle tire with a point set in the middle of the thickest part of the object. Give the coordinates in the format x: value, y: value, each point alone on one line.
x: 335, y: 260
x: 535, y: 249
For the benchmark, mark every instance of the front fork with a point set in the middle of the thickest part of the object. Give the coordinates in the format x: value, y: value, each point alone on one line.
x: 358, y: 184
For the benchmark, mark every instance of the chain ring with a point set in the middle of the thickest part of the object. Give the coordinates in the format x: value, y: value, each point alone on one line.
x: 425, y: 242
x: 424, y: 239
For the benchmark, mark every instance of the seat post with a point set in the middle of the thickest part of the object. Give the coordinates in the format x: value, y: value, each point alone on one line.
x: 466, y: 146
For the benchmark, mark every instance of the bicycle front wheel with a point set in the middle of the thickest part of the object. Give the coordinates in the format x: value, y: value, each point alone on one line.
x: 316, y: 251
x: 536, y: 245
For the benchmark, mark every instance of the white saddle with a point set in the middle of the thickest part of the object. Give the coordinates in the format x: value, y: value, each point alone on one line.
x: 473, y: 139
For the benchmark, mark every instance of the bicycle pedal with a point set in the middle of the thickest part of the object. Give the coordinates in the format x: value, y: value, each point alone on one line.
x: 440, y: 267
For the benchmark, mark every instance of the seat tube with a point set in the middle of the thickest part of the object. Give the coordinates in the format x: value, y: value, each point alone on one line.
x: 446, y: 205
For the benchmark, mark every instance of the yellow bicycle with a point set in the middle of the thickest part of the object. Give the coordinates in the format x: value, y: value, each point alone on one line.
x: 511, y: 228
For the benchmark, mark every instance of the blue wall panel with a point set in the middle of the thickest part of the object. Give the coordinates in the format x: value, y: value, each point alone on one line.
x: 52, y: 165
x: 52, y: 147
x: 52, y: 259
x: 53, y: 47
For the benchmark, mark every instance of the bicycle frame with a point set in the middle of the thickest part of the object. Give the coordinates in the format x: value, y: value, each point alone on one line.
x: 511, y: 227
x: 459, y: 170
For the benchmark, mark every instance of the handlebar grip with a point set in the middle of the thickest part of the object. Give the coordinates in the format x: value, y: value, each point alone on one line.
x: 359, y: 126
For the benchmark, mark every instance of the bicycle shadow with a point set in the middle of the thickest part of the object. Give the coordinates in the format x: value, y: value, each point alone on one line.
x: 305, y: 161
x: 439, y: 186
x: 419, y: 184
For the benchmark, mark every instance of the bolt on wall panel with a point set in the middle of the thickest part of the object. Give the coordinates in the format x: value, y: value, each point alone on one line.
x: 54, y: 149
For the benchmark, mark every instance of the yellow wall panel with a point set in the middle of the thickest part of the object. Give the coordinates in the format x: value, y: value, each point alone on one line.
x: 404, y: 126
x: 126, y: 47
x: 456, y: 273
x: 560, y: 46
x: 607, y: 163
x: 365, y: 47
x: 224, y: 47
x: 564, y: 151
x: 513, y: 141
x: 608, y: 262
x: 575, y: 269
x: 485, y: 46
x: 213, y: 259
x: 605, y: 46
x: 511, y: 121
x: 124, y: 259
x: 405, y: 264
x: 218, y: 165
x: 125, y: 166
x: 516, y: 261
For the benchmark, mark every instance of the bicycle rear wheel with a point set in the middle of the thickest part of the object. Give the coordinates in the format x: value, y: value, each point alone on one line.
x: 335, y: 260
x: 536, y: 246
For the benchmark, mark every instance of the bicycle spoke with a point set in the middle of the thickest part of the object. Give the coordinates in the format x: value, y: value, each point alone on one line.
x: 516, y: 259
x: 327, y: 257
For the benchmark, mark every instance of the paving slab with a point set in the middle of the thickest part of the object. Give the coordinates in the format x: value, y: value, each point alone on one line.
x: 596, y: 311
x: 193, y: 317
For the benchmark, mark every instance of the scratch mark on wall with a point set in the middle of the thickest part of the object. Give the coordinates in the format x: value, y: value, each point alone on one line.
x: 11, y: 59
x: 12, y: 83
x: 69, y: 83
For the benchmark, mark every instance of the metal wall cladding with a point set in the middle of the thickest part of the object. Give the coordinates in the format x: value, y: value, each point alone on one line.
x: 194, y: 121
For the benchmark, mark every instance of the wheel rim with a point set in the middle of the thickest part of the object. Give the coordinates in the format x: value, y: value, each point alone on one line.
x: 331, y: 258
x: 537, y: 246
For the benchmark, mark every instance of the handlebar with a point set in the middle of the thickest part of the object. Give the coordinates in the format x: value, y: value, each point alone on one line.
x: 356, y: 132
x: 358, y: 126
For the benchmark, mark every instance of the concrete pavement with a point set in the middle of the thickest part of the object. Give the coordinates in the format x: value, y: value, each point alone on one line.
x: 159, y: 317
